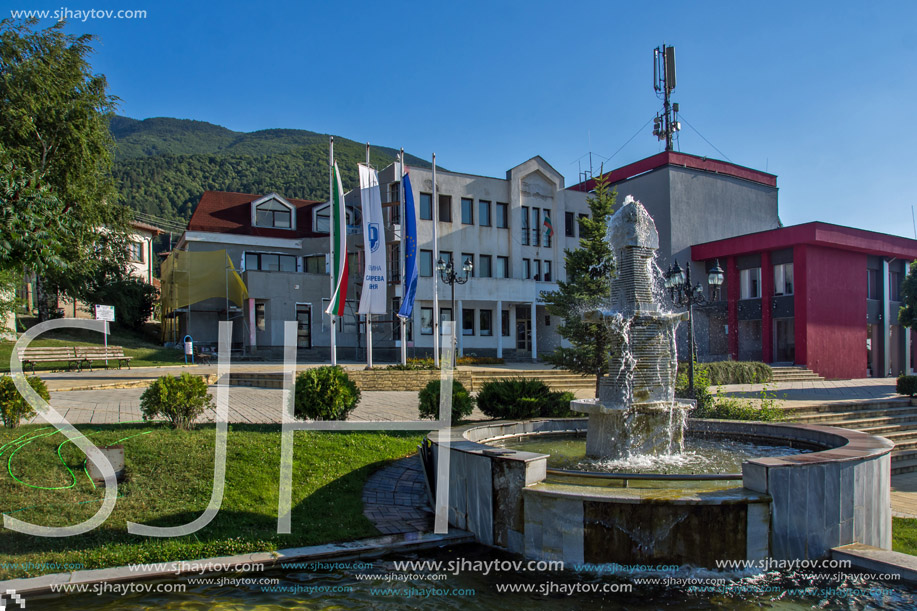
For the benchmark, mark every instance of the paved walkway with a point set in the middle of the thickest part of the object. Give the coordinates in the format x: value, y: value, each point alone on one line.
x: 802, y: 394
x: 395, y: 498
x: 904, y: 495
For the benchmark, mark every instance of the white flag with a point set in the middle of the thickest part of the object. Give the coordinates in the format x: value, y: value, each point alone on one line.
x: 372, y: 300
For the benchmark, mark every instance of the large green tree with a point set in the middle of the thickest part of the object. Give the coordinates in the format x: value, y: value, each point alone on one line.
x: 907, y: 314
x: 587, y: 287
x: 55, y: 151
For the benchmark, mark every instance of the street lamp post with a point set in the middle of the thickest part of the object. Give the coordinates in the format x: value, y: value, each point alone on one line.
x: 683, y: 293
x: 447, y: 273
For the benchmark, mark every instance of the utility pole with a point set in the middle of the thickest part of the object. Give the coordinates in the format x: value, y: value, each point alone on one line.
x: 664, y: 82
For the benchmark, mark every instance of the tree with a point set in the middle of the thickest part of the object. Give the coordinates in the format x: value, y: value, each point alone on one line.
x: 587, y: 287
x: 907, y: 314
x: 55, y: 142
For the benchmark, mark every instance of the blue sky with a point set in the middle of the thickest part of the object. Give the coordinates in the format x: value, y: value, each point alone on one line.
x: 815, y: 92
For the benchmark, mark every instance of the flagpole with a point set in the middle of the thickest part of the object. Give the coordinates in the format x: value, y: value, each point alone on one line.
x: 404, y: 253
x: 331, y: 232
x: 369, y: 317
x: 435, y: 271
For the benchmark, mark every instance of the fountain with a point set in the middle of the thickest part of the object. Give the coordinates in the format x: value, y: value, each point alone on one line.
x: 636, y: 412
x: 538, y: 495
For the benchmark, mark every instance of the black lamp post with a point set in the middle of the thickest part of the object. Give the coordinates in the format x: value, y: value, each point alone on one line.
x: 447, y: 273
x: 683, y: 293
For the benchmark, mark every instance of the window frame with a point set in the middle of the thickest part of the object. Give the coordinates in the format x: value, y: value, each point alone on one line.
x: 489, y: 330
x: 420, y: 266
x: 469, y: 208
x: 424, y: 310
x: 428, y: 198
x: 479, y: 268
x: 502, y: 209
x: 468, y: 329
x: 484, y: 219
x: 445, y: 203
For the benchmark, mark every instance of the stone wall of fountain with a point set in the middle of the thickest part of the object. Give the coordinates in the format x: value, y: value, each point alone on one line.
x: 636, y: 411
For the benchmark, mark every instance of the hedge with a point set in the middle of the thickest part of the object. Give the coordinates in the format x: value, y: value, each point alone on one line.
x: 733, y: 372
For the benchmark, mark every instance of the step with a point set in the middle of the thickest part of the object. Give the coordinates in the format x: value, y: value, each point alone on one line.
x: 864, y: 417
x: 852, y: 406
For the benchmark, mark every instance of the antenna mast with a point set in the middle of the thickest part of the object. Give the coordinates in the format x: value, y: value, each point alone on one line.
x: 664, y: 81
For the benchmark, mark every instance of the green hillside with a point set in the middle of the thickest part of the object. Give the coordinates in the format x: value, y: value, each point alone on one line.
x: 163, y: 165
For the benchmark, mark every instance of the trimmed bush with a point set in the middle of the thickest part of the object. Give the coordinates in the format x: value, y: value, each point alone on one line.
x: 471, y: 359
x: 732, y: 372
x: 414, y: 365
x: 13, y: 406
x: 324, y: 393
x: 728, y: 408
x: 521, y: 398
x: 906, y: 385
x: 462, y: 401
x: 180, y: 399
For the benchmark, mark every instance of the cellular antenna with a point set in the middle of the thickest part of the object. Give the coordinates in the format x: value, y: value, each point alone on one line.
x: 665, y: 125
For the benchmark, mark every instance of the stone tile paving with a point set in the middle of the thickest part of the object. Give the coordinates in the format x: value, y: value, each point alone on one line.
x: 395, y: 498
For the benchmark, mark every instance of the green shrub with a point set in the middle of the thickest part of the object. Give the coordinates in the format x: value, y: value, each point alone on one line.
x: 520, y: 398
x: 324, y: 393
x: 180, y: 399
x: 728, y: 408
x: 906, y: 385
x: 414, y: 365
x: 702, y: 393
x: 462, y: 401
x: 471, y: 359
x: 732, y: 372
x: 13, y: 406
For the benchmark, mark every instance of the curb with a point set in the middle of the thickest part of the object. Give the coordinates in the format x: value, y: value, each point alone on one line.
x: 363, y: 548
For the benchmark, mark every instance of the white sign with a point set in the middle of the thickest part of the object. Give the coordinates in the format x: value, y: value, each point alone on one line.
x: 104, y: 312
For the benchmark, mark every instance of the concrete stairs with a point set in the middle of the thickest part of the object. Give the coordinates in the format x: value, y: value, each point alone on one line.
x: 894, y: 419
x: 794, y: 373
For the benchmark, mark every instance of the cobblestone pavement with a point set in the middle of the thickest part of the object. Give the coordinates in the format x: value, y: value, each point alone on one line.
x: 395, y: 498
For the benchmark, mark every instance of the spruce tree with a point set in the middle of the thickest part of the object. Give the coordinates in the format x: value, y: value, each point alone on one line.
x: 587, y: 287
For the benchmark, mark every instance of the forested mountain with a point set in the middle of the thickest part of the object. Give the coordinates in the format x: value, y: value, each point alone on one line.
x: 163, y: 165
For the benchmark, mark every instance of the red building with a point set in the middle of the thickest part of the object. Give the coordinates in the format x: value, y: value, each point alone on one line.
x: 816, y: 294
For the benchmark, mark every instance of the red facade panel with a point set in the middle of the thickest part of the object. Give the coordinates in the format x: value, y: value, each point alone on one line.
x: 834, y: 318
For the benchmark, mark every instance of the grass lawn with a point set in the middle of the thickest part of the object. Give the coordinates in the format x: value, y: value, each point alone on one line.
x: 904, y: 536
x: 143, y: 346
x: 168, y: 483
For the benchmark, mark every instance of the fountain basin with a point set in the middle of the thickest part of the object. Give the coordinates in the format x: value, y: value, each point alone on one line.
x: 790, y: 507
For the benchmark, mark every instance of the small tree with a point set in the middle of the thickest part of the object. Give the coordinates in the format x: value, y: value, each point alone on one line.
x: 13, y: 406
x: 324, y: 393
x: 588, y: 285
x: 181, y: 399
x: 907, y: 314
x: 428, y: 401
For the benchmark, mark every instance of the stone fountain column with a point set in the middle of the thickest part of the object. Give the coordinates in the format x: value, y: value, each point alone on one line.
x: 636, y: 411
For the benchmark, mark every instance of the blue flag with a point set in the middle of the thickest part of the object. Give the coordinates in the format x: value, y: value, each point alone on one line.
x: 410, y: 252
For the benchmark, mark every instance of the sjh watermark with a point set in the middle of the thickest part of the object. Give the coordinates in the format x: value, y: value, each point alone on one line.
x: 13, y: 599
x: 66, y: 14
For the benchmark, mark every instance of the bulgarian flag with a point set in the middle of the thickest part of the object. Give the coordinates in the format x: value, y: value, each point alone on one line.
x: 338, y: 246
x: 548, y: 227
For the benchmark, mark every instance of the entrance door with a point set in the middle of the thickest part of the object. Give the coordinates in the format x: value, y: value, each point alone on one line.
x: 784, y: 340
x: 524, y: 335
x: 303, y: 325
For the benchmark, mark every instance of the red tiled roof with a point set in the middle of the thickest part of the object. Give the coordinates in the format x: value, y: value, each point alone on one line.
x: 684, y: 160
x: 226, y: 212
x: 146, y: 227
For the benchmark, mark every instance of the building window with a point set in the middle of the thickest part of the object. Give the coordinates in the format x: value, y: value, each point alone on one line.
x: 273, y: 214
x: 314, y: 264
x: 445, y: 208
x: 446, y: 256
x: 426, y: 263
x: 426, y: 206
x: 259, y: 315
x: 445, y: 314
x: 783, y: 279
x: 536, y: 226
x: 135, y: 252
x: 502, y: 215
x: 543, y: 225
x: 353, y: 264
x: 537, y: 269
x: 485, y: 320
x: 502, y: 270
x: 872, y: 284
x: 750, y: 283
x: 467, y: 321
x: 483, y: 269
x: 484, y: 213
x: 269, y: 262
x: 467, y: 211
x: 894, y: 283
x: 547, y: 320
x: 393, y: 264
x: 526, y: 269
x: 426, y: 321
x: 396, y: 322
x: 525, y: 225
x: 569, y: 224
x: 466, y: 257
x: 547, y: 271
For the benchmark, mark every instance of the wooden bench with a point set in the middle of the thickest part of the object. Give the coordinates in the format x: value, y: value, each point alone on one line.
x: 47, y: 354
x: 88, y: 354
